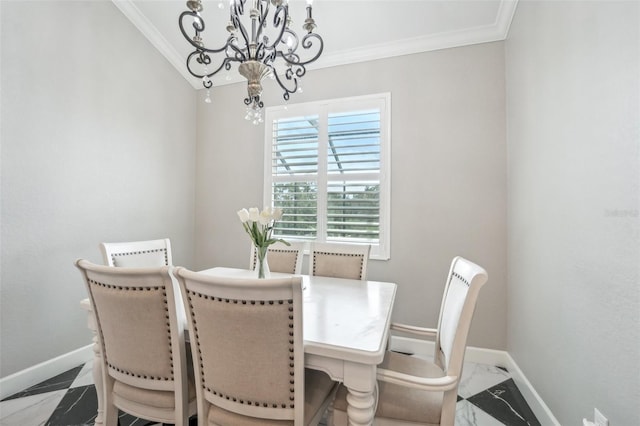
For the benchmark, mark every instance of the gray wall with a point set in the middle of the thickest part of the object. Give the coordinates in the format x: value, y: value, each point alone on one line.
x: 573, y: 71
x: 448, y: 174
x: 98, y: 144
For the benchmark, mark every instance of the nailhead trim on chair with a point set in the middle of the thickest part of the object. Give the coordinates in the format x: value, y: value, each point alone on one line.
x: 461, y: 278
x: 191, y: 294
x: 130, y: 253
x: 166, y: 308
x: 337, y: 254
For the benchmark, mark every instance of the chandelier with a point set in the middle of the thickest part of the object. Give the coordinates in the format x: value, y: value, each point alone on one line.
x: 259, y: 49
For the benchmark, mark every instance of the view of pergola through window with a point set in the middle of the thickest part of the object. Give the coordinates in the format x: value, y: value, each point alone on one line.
x: 327, y: 176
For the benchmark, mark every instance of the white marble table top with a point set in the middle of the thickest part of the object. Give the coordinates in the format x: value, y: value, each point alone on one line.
x: 343, y: 319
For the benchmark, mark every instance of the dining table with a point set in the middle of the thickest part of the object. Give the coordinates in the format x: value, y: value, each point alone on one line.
x: 345, y: 329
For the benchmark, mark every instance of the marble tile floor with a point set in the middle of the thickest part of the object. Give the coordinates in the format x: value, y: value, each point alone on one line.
x: 487, y: 396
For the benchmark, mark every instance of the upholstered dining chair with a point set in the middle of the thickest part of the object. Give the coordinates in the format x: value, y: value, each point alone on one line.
x: 339, y: 260
x: 247, y: 345
x: 137, y: 254
x: 143, y: 352
x: 281, y: 257
x: 414, y: 391
x: 143, y: 254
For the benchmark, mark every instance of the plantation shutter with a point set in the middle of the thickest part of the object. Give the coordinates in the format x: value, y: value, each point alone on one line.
x: 294, y: 168
x: 353, y: 183
x: 327, y: 168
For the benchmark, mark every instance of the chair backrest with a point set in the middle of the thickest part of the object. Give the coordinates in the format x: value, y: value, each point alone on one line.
x: 458, y: 305
x: 137, y: 254
x: 141, y: 343
x: 339, y: 260
x: 281, y: 257
x: 246, y: 340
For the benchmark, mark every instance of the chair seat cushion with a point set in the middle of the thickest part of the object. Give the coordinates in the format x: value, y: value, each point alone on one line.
x: 318, y: 387
x: 400, y: 402
x: 148, y: 397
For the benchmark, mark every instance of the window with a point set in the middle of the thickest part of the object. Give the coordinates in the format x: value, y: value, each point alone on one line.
x: 327, y: 166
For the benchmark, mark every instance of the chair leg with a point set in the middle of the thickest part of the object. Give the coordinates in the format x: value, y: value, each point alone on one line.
x: 330, y: 414
x: 111, y: 413
x: 111, y: 417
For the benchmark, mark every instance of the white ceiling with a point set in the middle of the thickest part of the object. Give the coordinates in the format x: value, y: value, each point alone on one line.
x: 352, y: 30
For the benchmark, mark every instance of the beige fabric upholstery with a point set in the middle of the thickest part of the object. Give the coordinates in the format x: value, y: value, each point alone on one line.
x: 414, y: 399
x: 143, y: 350
x: 153, y: 398
x: 316, y: 382
x: 246, y: 338
x: 417, y: 405
x: 339, y: 260
x: 281, y: 257
x: 143, y: 254
x: 137, y: 254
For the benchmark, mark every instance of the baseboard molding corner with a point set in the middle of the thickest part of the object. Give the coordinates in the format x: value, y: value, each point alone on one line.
x: 490, y: 357
x: 28, y: 377
x: 537, y: 405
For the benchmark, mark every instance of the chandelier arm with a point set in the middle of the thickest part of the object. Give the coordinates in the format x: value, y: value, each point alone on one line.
x: 239, y: 56
x: 300, y: 71
x: 254, y: 100
x: 307, y: 43
x: 269, y: 57
x: 279, y: 22
x: 198, y: 25
x: 238, y: 6
x: 235, y: 19
x: 290, y: 58
x: 208, y: 61
x: 287, y: 91
x: 222, y: 49
x: 199, y: 29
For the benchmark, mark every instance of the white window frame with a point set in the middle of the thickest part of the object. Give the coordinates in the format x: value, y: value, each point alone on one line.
x: 380, y: 251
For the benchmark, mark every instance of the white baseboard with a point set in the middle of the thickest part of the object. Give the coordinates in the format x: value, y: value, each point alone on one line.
x: 489, y: 357
x: 539, y: 408
x: 28, y: 377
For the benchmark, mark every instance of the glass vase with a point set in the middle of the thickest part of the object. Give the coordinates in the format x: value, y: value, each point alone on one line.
x: 262, y: 266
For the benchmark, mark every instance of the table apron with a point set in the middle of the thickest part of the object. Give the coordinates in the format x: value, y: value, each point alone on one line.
x: 354, y: 375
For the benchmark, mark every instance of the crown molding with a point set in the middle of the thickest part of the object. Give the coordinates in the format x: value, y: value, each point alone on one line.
x: 131, y: 11
x: 505, y: 17
x: 497, y: 31
x: 483, y: 34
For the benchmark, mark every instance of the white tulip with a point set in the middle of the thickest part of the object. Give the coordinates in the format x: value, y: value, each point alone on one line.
x: 254, y: 214
x: 243, y: 215
x: 277, y: 214
x: 265, y: 217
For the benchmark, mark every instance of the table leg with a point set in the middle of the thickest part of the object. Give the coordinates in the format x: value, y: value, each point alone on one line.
x: 361, y: 408
x: 360, y: 380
